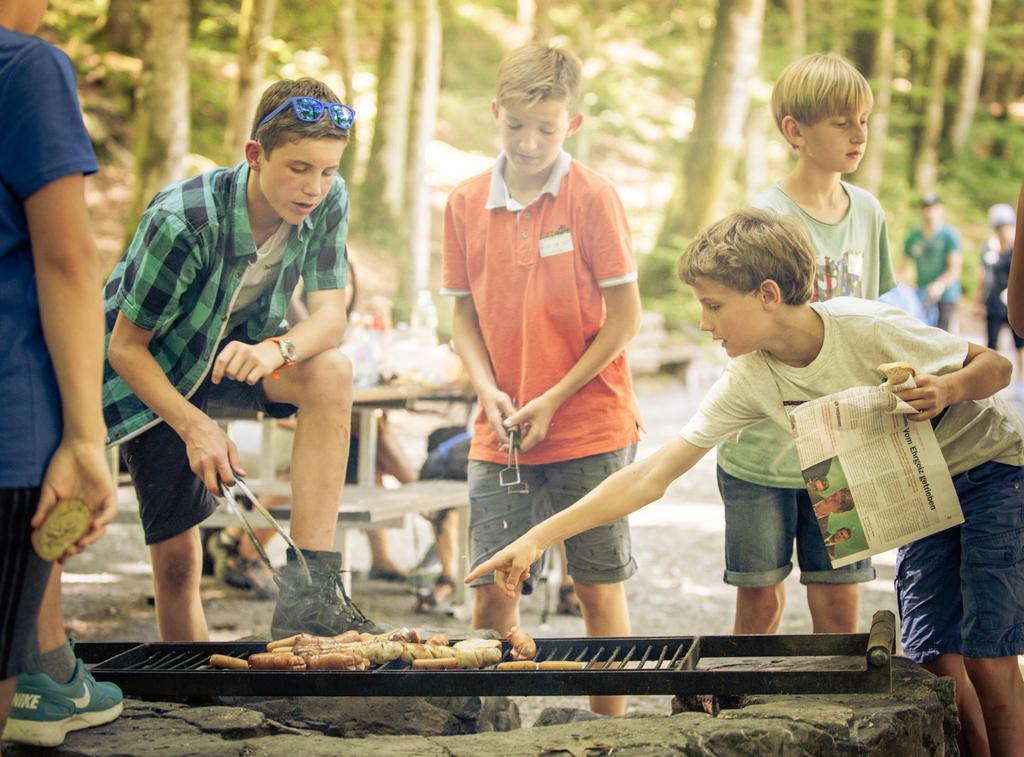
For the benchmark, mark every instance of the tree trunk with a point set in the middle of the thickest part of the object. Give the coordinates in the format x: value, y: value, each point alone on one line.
x: 970, y: 78
x: 994, y: 73
x: 423, y: 125
x: 869, y: 175
x: 525, y: 11
x: 255, y: 22
x: 911, y: 13
x: 162, y: 104
x: 926, y: 163
x: 543, y: 28
x: 1008, y: 91
x: 755, y: 150
x: 721, y: 113
x: 585, y: 48
x: 837, y: 15
x: 345, y: 58
x: 797, y: 27
x: 384, y: 187
x: 120, y: 30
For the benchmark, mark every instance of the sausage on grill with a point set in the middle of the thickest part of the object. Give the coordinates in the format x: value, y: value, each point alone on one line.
x: 276, y: 661
x: 228, y: 663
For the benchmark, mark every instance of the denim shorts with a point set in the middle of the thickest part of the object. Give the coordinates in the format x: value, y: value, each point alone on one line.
x: 497, y: 518
x: 961, y: 591
x: 761, y: 523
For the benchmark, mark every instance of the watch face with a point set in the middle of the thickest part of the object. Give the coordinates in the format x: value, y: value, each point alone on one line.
x: 288, y: 351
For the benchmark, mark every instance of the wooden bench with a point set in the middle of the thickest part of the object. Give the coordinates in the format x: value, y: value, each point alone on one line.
x: 361, y: 508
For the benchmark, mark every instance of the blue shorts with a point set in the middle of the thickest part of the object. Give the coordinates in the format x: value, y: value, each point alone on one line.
x: 761, y: 523
x: 961, y: 591
x: 601, y: 555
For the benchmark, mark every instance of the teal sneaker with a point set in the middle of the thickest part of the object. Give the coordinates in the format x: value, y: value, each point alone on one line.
x: 43, y: 711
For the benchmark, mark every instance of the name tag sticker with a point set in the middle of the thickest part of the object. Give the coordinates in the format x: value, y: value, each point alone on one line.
x: 556, y: 242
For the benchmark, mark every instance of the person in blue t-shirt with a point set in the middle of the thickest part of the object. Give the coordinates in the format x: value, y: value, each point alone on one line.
x: 51, y: 366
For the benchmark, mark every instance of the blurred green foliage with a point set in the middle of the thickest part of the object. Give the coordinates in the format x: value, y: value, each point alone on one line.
x: 644, y: 64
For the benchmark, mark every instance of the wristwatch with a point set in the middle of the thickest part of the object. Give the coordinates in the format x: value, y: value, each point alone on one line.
x: 288, y: 352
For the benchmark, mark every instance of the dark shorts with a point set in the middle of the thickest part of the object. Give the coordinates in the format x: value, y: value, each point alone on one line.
x: 761, y: 525
x: 171, y: 497
x: 23, y: 578
x: 497, y: 517
x: 961, y: 591
x: 995, y: 326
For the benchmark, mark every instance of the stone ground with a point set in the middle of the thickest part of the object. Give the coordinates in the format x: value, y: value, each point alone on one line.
x: 678, y: 544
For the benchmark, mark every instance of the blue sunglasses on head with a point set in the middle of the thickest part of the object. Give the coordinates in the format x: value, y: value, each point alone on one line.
x: 310, y: 110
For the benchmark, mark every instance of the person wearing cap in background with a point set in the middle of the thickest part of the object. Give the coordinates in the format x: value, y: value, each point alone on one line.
x: 934, y: 246
x: 996, y: 255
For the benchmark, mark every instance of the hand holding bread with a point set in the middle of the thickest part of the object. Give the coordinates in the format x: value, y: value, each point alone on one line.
x: 930, y: 394
x: 897, y: 373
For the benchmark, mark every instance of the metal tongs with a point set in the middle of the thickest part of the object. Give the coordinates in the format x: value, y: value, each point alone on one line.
x: 510, y: 476
x: 233, y: 506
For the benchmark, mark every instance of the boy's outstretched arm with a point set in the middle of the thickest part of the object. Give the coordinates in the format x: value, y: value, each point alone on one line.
x: 617, y: 496
x: 985, y: 372
x: 71, y: 309
x: 469, y: 344
x: 1015, y: 292
x: 622, y: 321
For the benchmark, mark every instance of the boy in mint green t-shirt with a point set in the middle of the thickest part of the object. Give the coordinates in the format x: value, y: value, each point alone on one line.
x: 821, y: 105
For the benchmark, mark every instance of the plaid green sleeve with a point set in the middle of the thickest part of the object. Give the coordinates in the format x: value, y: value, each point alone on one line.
x: 326, y: 264
x: 160, y: 265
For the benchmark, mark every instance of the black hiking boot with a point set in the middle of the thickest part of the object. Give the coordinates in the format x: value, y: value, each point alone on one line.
x: 321, y: 608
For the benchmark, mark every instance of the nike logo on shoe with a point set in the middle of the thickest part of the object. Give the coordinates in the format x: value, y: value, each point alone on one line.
x: 26, y: 701
x: 83, y: 701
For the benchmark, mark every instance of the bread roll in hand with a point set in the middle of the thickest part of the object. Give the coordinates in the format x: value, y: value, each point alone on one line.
x: 897, y: 373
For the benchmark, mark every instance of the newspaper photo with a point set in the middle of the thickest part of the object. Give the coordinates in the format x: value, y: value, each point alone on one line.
x: 877, y: 480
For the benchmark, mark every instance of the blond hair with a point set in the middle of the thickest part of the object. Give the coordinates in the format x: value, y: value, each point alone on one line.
x: 819, y: 86
x: 285, y: 128
x: 749, y: 246
x: 537, y: 72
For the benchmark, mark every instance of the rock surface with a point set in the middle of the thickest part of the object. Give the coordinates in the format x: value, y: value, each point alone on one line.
x: 390, y: 716
x: 916, y: 719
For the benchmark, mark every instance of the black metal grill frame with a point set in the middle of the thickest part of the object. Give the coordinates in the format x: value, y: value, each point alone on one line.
x: 653, y: 665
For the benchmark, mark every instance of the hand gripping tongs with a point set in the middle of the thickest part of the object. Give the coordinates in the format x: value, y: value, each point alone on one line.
x: 229, y: 496
x: 510, y: 476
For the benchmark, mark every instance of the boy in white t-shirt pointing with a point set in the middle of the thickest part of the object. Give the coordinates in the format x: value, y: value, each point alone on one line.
x: 960, y: 590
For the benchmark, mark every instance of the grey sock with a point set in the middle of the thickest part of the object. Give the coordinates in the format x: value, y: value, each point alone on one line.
x: 58, y: 663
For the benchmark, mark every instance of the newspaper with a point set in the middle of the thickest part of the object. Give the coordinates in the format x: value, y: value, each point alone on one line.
x: 877, y: 480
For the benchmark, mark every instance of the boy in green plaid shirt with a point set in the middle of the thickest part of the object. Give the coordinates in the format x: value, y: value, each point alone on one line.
x: 194, y: 317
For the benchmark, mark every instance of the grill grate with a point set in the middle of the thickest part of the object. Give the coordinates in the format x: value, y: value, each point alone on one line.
x: 784, y: 664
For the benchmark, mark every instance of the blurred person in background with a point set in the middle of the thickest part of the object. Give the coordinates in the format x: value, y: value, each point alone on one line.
x: 1015, y: 300
x: 996, y: 255
x: 934, y: 246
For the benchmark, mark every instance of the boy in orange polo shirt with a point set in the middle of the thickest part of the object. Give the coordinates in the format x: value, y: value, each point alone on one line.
x: 538, y: 255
